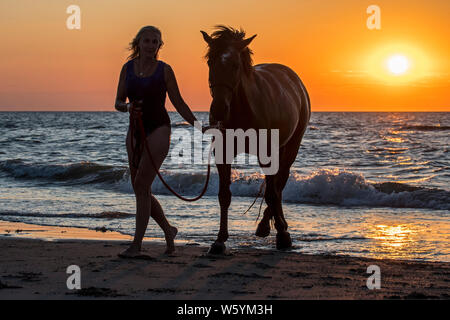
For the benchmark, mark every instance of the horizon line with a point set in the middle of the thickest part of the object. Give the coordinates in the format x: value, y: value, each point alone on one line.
x: 206, y: 111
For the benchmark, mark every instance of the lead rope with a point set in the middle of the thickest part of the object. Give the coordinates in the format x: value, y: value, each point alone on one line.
x: 142, y: 131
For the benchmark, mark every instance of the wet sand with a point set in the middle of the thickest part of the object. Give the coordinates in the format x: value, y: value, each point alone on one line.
x: 33, y: 268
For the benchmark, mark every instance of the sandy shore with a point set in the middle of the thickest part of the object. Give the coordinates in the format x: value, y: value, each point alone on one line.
x: 32, y: 268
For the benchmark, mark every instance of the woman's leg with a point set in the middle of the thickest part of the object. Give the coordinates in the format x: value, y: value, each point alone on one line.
x: 170, y: 232
x: 156, y: 210
x: 141, y: 220
x: 130, y: 153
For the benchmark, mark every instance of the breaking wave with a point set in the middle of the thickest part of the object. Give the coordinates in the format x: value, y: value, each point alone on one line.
x: 322, y: 187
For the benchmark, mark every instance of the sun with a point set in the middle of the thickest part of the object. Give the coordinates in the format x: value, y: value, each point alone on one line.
x: 398, y: 64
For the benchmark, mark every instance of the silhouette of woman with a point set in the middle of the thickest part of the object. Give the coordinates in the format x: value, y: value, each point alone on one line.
x: 145, y: 80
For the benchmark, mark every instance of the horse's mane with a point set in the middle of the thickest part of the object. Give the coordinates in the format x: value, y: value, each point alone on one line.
x: 225, y: 37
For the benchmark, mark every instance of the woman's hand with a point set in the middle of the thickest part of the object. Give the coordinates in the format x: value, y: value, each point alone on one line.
x: 136, y: 108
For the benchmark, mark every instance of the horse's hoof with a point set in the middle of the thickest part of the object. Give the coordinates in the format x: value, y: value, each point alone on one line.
x: 263, y: 230
x: 217, y: 248
x: 284, y: 240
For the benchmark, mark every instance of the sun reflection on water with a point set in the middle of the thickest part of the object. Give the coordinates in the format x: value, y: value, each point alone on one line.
x: 393, y: 236
x: 395, y: 140
x: 396, y: 241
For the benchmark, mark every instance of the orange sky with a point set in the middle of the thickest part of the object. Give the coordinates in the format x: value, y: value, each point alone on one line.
x: 45, y: 66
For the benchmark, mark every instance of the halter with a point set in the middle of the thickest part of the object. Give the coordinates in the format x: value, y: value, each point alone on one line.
x: 212, y: 85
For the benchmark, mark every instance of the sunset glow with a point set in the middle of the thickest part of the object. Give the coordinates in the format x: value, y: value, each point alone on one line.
x: 411, y: 66
x: 404, y: 66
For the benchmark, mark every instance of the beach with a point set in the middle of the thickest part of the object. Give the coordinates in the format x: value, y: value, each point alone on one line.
x: 378, y: 198
x: 381, y: 192
x: 34, y: 261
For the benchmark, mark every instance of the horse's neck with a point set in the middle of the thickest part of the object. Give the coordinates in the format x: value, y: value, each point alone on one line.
x: 245, y: 111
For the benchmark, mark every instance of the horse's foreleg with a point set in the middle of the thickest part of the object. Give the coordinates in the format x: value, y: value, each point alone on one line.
x: 218, y: 247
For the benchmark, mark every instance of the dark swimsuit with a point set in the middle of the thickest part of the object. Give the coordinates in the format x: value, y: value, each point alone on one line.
x: 152, y: 91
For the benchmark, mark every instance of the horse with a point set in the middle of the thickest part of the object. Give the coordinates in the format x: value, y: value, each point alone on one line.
x: 265, y: 96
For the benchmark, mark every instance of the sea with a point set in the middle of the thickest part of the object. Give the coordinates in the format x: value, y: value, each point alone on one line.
x: 371, y: 185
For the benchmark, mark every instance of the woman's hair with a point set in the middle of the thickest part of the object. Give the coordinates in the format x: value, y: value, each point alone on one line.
x: 134, y: 45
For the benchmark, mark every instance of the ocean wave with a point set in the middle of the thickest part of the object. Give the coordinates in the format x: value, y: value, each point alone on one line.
x: 318, y: 237
x: 344, y: 188
x: 425, y: 128
x: 81, y: 172
x: 181, y: 124
x: 322, y: 187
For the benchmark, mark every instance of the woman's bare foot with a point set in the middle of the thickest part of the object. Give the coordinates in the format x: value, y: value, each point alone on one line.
x: 131, y: 252
x: 170, y: 240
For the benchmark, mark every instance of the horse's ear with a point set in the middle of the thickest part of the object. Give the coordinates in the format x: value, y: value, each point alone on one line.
x: 207, y: 38
x: 244, y: 43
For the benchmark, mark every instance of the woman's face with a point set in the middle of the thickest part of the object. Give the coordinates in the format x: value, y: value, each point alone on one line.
x: 149, y: 44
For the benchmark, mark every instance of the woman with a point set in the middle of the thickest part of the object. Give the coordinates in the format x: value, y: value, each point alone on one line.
x: 145, y: 80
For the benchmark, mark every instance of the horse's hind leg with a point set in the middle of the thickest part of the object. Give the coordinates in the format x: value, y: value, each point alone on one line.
x: 283, y: 237
x: 263, y: 229
x: 277, y: 183
x: 273, y: 194
x: 282, y: 177
x: 287, y: 157
x: 224, y: 170
x: 273, y: 200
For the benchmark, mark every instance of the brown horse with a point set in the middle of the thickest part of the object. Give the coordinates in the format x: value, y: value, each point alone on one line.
x: 265, y: 96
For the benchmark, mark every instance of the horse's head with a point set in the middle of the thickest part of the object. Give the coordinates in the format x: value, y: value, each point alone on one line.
x: 229, y: 59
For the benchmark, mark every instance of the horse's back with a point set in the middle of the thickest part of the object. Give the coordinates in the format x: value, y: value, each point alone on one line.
x: 284, y: 102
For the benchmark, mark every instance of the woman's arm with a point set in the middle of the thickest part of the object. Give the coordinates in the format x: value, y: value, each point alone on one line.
x: 175, y: 96
x: 121, y: 96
